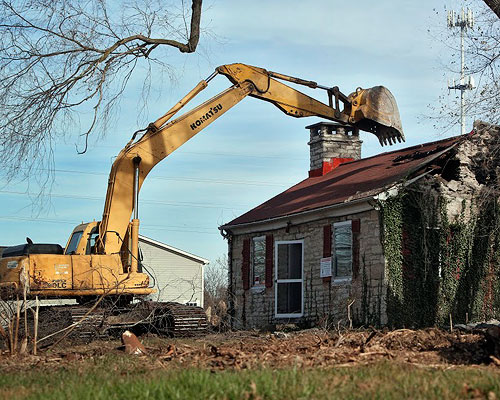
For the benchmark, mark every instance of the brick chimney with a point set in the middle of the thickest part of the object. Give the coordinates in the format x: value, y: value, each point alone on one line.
x: 332, y: 144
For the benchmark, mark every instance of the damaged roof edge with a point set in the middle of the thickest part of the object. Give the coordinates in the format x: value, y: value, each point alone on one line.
x: 429, y: 160
x: 459, y: 139
x: 353, y: 206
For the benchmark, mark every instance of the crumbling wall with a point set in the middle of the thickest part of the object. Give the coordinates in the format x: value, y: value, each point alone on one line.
x: 443, y: 249
x: 473, y: 171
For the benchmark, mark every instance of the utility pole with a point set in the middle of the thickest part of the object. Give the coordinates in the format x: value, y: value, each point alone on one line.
x: 463, y: 21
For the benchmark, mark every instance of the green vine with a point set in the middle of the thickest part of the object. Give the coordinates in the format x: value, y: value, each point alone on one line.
x: 370, y: 311
x: 435, y: 267
x: 392, y: 235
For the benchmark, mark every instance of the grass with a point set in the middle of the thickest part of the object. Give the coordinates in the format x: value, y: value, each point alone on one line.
x: 114, y: 377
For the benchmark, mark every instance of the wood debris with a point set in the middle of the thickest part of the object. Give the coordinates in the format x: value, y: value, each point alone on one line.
x: 306, y: 349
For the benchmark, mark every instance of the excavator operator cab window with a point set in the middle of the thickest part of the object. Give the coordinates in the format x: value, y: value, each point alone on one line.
x: 73, y: 243
x: 93, y: 235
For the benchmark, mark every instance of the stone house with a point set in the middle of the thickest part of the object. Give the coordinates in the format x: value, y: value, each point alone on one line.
x: 391, y: 239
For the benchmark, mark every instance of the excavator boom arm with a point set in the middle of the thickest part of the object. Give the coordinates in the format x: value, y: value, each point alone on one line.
x: 163, y: 137
x: 153, y: 147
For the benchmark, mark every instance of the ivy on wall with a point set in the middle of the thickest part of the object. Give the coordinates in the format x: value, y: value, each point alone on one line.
x: 436, y: 267
x: 370, y: 311
x: 391, y: 213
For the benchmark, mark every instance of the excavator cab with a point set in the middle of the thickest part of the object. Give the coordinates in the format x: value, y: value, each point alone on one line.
x: 83, y: 239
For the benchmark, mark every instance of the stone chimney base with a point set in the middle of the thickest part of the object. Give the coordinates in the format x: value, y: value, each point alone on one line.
x: 330, y: 145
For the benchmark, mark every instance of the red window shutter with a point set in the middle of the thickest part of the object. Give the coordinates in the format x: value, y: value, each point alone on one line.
x: 356, y: 229
x: 327, y: 246
x: 327, y: 241
x: 269, y: 260
x: 245, y: 266
x: 355, y: 226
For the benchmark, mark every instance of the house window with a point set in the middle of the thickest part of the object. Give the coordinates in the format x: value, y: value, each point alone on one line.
x: 289, y: 302
x: 342, y: 250
x: 258, y: 261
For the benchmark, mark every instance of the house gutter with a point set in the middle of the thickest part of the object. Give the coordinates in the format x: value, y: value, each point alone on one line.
x: 351, y: 207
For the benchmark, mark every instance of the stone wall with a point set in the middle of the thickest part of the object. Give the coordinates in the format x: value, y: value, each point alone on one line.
x: 477, y: 170
x: 329, y: 141
x: 324, y: 303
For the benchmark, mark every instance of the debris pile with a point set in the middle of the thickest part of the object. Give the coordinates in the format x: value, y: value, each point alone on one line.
x: 317, y: 348
x: 310, y: 348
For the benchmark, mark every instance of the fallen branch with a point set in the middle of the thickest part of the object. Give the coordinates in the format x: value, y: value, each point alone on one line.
x: 370, y: 337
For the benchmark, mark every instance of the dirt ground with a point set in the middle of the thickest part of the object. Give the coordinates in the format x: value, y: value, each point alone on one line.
x: 309, y: 348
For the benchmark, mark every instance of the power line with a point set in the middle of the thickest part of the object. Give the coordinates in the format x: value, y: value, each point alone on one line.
x: 281, y: 157
x: 186, y: 179
x: 97, y: 198
x: 220, y: 154
x: 171, y: 228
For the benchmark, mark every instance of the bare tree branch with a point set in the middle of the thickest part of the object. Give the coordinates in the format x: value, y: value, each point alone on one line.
x: 69, y: 60
x: 494, y: 5
x: 216, y: 281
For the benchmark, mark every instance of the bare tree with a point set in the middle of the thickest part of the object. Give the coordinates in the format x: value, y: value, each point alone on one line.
x: 494, y: 5
x: 215, y: 291
x: 61, y: 59
x: 216, y: 281
x: 482, y: 56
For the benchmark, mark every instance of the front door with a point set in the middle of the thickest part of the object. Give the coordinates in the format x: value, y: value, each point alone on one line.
x: 289, y: 267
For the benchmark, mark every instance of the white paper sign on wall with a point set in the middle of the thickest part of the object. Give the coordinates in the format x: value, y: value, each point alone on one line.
x: 325, y: 267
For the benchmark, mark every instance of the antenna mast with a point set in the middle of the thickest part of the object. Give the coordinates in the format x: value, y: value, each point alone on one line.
x: 463, y: 21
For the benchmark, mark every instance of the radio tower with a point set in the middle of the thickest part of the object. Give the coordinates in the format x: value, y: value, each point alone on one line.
x: 464, y: 21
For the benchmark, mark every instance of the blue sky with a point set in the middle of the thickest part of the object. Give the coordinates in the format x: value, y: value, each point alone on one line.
x: 254, y: 151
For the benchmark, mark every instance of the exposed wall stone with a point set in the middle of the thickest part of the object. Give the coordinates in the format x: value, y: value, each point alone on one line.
x: 329, y: 140
x: 473, y: 170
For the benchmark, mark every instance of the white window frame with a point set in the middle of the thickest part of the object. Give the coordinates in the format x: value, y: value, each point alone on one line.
x: 340, y: 279
x: 277, y: 281
x: 252, y: 274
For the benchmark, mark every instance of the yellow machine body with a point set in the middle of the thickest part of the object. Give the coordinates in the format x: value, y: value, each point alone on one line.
x: 75, y: 274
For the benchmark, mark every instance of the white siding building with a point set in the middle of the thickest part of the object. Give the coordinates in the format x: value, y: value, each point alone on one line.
x: 177, y: 275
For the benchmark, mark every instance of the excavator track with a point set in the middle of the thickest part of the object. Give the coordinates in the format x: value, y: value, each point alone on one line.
x: 184, y: 320
x: 166, y: 319
x: 86, y: 324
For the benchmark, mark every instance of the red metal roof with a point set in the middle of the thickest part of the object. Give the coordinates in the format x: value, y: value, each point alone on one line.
x: 350, y: 181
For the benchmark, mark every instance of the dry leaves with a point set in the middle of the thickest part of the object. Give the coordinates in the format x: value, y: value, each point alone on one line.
x: 306, y: 349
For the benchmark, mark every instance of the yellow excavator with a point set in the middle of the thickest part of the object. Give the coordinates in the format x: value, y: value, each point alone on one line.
x: 102, y: 259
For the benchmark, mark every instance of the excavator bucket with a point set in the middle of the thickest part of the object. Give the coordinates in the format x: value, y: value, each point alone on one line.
x: 374, y: 110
